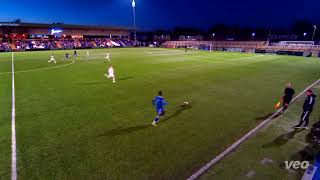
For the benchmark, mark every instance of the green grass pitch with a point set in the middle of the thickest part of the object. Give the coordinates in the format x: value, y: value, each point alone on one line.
x: 263, y: 156
x: 73, y: 123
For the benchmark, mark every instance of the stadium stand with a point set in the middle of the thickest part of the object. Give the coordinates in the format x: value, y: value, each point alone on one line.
x: 101, y: 42
x: 4, y: 46
x: 85, y: 43
x: 217, y: 44
x: 39, y: 44
x: 21, y: 45
x: 19, y: 36
x: 293, y: 46
x: 288, y: 47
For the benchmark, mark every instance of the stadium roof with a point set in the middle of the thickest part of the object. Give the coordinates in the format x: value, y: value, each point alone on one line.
x: 61, y: 25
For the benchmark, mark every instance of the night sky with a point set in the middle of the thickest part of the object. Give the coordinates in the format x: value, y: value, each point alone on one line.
x: 163, y: 13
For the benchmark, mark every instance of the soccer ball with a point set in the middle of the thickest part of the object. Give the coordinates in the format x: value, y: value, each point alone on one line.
x: 185, y: 103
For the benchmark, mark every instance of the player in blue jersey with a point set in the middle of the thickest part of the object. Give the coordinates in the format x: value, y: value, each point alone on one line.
x: 159, y: 102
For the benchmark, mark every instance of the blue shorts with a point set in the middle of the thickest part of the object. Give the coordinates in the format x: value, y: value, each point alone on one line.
x: 160, y: 112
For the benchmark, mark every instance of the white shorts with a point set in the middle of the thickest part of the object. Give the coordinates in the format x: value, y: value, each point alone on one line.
x: 111, y: 75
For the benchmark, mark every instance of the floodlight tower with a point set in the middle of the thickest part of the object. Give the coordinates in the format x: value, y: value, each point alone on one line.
x: 314, y: 31
x: 134, y: 20
x: 253, y: 35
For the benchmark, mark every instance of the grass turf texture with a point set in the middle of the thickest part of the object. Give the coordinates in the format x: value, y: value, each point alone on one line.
x: 5, y: 117
x: 279, y: 143
x: 73, y: 123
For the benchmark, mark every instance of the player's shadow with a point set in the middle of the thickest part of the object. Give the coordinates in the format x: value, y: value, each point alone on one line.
x: 267, y: 116
x: 128, y: 130
x: 126, y: 78
x: 180, y: 109
x: 282, y: 139
x: 92, y: 83
x: 123, y: 131
x: 308, y: 153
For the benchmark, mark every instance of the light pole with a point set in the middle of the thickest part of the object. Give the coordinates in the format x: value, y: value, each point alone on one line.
x: 211, y: 44
x: 134, y: 20
x: 253, y: 35
x: 314, y: 31
x: 304, y: 36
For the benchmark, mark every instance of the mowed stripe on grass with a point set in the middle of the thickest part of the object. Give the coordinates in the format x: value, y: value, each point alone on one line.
x: 5, y: 117
x: 72, y: 123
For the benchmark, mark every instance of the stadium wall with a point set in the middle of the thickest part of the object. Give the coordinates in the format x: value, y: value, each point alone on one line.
x: 246, y: 46
x: 79, y: 32
x: 7, y: 28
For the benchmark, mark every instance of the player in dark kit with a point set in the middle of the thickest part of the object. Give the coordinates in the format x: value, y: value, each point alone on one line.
x: 307, y: 110
x: 287, y: 98
x: 66, y: 57
x: 75, y: 54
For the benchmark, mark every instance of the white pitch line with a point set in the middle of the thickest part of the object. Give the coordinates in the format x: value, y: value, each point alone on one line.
x: 40, y: 69
x: 235, y: 145
x: 246, y: 57
x: 13, y: 128
x: 220, y: 58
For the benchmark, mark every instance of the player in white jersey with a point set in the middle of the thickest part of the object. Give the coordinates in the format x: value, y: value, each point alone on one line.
x: 108, y: 57
x: 110, y: 74
x: 88, y: 54
x: 52, y: 59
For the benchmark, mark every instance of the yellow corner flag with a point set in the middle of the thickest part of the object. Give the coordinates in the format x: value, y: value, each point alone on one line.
x: 277, y: 106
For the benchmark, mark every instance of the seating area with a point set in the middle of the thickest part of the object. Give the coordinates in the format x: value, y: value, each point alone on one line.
x: 217, y: 44
x: 67, y: 43
x: 248, y: 45
x: 22, y: 45
x: 299, y: 46
x: 292, y: 48
x: 85, y: 43
x: 128, y: 43
x: 42, y: 44
x: 38, y: 44
x: 4, y: 46
x: 101, y: 42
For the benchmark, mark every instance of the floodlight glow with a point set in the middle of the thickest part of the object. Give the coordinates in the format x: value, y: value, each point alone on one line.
x: 133, y: 4
x: 253, y: 34
x: 304, y: 34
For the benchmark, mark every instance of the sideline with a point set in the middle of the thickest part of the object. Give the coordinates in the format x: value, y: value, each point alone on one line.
x: 236, y: 144
x: 40, y: 69
x: 13, y: 128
